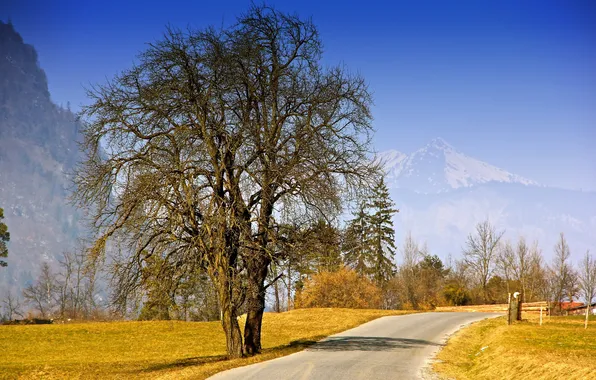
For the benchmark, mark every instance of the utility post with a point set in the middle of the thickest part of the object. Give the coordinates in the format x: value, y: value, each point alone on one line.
x: 515, y: 308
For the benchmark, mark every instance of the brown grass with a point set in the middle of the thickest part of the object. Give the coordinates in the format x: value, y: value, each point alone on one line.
x: 164, y: 349
x: 490, y: 349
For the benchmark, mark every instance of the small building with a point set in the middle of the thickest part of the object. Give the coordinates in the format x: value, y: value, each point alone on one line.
x: 581, y: 309
x: 564, y: 307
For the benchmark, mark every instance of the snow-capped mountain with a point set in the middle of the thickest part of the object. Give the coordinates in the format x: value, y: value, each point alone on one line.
x: 443, y: 193
x: 439, y: 167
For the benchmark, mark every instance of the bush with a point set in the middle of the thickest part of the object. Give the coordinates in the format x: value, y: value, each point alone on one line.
x: 344, y: 288
x: 456, y: 295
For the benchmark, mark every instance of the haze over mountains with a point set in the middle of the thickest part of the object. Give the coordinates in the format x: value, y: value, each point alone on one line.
x: 441, y: 192
x: 38, y: 148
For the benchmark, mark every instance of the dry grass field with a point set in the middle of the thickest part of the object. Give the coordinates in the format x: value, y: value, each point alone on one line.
x: 559, y: 349
x: 164, y: 349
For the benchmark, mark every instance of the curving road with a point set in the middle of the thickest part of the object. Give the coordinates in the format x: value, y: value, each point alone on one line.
x: 398, y: 347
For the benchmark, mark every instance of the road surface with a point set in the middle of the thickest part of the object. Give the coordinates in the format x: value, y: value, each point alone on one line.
x: 398, y: 347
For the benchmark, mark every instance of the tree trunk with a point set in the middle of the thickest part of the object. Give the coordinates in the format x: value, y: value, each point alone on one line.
x: 231, y: 328
x: 587, y: 314
x: 252, y: 332
x: 277, y: 305
x: 289, y: 282
x: 277, y: 298
x: 255, y: 299
x: 229, y: 319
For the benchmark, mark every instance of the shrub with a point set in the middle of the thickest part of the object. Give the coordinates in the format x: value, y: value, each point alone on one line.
x: 343, y: 288
x: 456, y: 295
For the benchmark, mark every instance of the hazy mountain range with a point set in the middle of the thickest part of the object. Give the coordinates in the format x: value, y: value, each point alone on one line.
x: 38, y: 150
x: 442, y: 193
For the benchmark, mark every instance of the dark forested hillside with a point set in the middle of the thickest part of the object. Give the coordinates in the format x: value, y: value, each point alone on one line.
x: 38, y: 150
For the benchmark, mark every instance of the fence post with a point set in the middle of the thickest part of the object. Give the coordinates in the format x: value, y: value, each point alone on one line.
x: 540, y: 315
x: 509, y: 308
x: 514, y: 312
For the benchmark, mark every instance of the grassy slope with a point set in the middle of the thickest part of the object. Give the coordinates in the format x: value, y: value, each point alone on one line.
x: 490, y: 349
x: 164, y: 349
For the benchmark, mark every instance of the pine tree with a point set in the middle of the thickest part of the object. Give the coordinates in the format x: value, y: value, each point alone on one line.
x: 382, y: 234
x: 369, y: 238
x: 4, y: 238
x: 357, y: 253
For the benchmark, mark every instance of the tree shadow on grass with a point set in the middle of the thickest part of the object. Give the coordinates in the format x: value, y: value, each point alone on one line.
x: 201, y: 360
x: 187, y: 362
x: 369, y: 343
x: 272, y: 352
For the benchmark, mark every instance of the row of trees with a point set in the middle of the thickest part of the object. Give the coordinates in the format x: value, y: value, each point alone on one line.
x: 498, y: 264
x: 490, y: 269
x: 317, y: 269
x: 71, y: 292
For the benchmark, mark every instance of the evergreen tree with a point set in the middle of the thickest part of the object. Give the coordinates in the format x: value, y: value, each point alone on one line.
x: 357, y: 253
x: 369, y: 238
x: 382, y: 234
x: 4, y: 238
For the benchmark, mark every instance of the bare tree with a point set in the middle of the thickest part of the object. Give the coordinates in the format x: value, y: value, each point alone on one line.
x: 42, y: 294
x: 13, y: 306
x: 505, y: 262
x: 312, y: 140
x: 536, y: 277
x: 210, y: 135
x: 481, y: 251
x: 70, y: 284
x: 411, y: 255
x: 587, y: 282
x: 561, y: 274
x: 514, y: 264
x: 522, y: 263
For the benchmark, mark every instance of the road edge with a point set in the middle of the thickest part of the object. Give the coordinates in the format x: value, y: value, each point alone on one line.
x: 427, y: 372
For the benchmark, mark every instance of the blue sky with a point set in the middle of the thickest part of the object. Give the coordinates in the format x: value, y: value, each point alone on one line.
x: 512, y: 83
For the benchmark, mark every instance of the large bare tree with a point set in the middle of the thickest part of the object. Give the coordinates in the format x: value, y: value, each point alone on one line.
x: 481, y: 252
x: 194, y: 152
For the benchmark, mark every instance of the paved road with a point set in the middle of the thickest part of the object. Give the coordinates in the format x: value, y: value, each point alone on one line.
x: 397, y: 347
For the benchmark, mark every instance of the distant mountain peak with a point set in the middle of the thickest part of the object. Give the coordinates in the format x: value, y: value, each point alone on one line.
x: 440, y: 143
x: 440, y: 167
